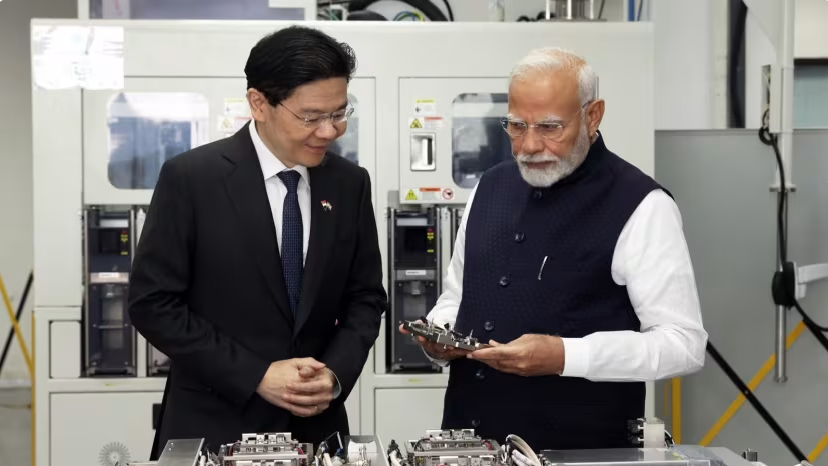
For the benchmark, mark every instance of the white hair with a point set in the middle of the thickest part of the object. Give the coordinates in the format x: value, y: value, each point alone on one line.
x: 550, y: 59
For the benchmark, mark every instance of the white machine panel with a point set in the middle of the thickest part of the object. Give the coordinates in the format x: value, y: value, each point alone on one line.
x: 406, y: 413
x: 450, y: 133
x: 108, y: 437
x: 65, y: 353
x: 352, y: 408
x: 128, y: 135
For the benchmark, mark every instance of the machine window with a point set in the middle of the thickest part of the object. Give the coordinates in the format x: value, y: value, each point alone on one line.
x: 478, y: 140
x: 348, y: 144
x: 192, y: 9
x: 148, y: 128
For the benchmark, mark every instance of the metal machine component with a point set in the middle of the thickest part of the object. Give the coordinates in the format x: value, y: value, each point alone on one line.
x: 110, y: 338
x: 415, y: 271
x: 266, y: 449
x: 571, y: 10
x: 648, y: 433
x: 442, y: 335
x: 273, y: 449
x: 446, y: 447
x: 455, y: 218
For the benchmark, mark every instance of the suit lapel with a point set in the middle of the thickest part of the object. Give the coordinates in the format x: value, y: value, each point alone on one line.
x: 322, y: 234
x: 246, y: 188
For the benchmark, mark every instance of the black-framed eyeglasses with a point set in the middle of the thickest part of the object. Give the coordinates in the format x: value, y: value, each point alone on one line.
x: 552, y: 130
x: 315, y: 121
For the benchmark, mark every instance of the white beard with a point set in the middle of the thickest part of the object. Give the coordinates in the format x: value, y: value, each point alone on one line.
x: 561, y: 167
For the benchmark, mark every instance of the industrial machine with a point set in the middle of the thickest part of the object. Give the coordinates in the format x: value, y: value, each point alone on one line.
x: 463, y: 447
x: 112, y: 100
x: 272, y: 449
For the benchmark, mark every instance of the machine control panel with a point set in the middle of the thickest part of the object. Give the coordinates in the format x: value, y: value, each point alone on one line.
x: 110, y: 338
x: 415, y: 281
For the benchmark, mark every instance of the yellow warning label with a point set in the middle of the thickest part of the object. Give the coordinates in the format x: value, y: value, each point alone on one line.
x: 416, y: 123
x: 411, y: 196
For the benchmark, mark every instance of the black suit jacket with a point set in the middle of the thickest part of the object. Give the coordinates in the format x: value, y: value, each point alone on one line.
x: 206, y: 289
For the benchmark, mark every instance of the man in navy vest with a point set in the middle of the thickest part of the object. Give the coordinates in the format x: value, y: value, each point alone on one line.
x: 572, y: 263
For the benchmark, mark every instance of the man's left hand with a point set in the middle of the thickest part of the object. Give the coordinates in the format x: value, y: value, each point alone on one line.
x: 314, y: 389
x: 529, y: 355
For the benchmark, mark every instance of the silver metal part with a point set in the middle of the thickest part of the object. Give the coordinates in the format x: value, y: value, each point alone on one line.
x: 181, y: 452
x: 442, y: 335
x: 269, y: 449
x: 452, y: 447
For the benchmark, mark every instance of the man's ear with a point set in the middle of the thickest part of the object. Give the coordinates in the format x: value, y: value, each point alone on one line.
x: 595, y: 113
x: 258, y: 104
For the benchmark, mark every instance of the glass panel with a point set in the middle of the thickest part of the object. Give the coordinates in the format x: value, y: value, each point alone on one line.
x: 147, y: 129
x: 810, y: 95
x: 192, y: 9
x: 478, y: 140
x: 348, y: 144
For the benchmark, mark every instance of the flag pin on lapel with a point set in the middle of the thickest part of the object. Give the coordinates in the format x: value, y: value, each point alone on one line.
x: 326, y: 205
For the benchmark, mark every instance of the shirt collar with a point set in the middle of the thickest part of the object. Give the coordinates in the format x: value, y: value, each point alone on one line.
x: 271, y: 166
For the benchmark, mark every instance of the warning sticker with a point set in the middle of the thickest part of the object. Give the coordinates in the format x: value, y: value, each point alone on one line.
x: 411, y: 196
x: 425, y: 107
x: 415, y: 123
x: 448, y: 194
x: 430, y: 194
x: 432, y: 122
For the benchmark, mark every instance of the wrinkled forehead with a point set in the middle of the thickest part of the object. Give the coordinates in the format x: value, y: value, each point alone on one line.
x: 544, y: 97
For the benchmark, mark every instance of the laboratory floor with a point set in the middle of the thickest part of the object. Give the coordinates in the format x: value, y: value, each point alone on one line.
x: 15, y: 426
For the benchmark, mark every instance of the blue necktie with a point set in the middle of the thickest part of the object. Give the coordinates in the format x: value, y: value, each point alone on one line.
x: 292, y: 255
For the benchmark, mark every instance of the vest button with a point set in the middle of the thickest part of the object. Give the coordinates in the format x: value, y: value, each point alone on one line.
x: 489, y: 326
x: 504, y: 281
x: 519, y: 237
x: 480, y: 374
x: 537, y: 194
x: 475, y: 423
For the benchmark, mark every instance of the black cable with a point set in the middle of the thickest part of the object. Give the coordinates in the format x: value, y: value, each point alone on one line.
x: 737, y: 42
x: 448, y: 8
x: 784, y: 286
x: 601, y: 9
x: 748, y: 394
x: 20, y: 306
x: 640, y: 9
x: 429, y: 9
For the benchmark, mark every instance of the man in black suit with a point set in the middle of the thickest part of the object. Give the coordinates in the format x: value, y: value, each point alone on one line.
x: 258, y: 271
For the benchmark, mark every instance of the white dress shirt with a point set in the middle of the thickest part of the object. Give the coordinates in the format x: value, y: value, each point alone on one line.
x: 276, y: 189
x: 276, y: 193
x: 651, y: 258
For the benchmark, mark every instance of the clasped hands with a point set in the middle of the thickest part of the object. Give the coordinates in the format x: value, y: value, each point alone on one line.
x: 529, y: 355
x: 303, y: 386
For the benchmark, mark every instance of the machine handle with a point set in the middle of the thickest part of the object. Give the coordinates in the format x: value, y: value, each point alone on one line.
x: 422, y: 152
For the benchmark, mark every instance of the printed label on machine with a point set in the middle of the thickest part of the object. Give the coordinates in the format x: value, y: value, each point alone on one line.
x: 425, y: 107
x: 426, y: 122
x: 411, y: 195
x: 430, y: 194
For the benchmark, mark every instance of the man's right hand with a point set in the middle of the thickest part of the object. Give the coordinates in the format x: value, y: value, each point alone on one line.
x: 437, y: 350
x: 273, y: 386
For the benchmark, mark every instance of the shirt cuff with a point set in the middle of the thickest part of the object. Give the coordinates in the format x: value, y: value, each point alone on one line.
x: 337, y: 389
x: 439, y: 362
x: 576, y: 357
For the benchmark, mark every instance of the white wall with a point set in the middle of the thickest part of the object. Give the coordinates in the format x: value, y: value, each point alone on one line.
x: 811, y: 41
x: 691, y: 63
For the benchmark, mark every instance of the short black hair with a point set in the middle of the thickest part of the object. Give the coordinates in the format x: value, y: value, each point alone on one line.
x: 297, y: 55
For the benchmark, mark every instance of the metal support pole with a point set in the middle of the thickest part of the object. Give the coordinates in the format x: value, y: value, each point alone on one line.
x: 785, y: 63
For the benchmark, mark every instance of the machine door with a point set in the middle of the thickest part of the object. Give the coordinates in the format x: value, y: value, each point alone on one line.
x: 129, y: 134
x: 450, y: 134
